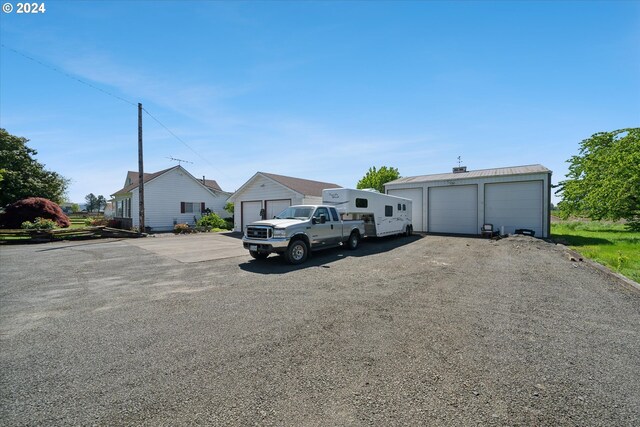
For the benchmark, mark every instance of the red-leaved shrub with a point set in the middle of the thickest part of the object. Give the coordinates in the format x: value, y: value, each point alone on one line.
x: 30, y: 209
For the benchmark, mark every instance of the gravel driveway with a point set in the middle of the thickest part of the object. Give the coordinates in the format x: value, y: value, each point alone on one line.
x: 411, y: 331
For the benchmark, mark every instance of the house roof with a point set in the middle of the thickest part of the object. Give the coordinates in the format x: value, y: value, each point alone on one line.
x: 303, y: 186
x: 306, y: 187
x: 132, y: 178
x: 482, y: 173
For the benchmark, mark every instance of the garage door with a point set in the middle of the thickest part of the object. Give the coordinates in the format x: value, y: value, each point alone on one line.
x: 514, y: 205
x: 453, y: 209
x: 274, y: 207
x: 415, y: 194
x: 250, y: 212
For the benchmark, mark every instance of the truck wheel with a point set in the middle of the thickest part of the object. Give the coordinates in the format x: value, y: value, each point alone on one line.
x: 258, y: 255
x: 297, y: 252
x: 354, y: 240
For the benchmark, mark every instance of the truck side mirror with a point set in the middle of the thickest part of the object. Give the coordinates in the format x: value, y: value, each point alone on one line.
x: 318, y: 219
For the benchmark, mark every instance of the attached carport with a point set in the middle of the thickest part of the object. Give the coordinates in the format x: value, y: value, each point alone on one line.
x: 461, y: 202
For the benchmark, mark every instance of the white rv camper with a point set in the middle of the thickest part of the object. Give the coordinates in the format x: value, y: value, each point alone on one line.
x: 383, y: 215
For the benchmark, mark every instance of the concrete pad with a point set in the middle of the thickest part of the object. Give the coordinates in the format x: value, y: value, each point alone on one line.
x: 188, y: 248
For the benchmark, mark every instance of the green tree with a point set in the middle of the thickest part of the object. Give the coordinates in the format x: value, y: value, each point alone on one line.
x: 376, y: 178
x: 91, y: 202
x: 229, y: 207
x: 604, y: 179
x: 21, y: 176
x: 101, y: 202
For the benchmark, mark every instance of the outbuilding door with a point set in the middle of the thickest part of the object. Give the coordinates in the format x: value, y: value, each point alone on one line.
x: 274, y: 207
x: 514, y: 205
x: 453, y: 209
x: 250, y: 212
x: 415, y: 194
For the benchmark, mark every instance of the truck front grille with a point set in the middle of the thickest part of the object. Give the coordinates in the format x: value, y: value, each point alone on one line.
x: 256, y: 232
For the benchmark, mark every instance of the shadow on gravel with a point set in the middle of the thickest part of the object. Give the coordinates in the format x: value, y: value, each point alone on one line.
x: 275, y: 264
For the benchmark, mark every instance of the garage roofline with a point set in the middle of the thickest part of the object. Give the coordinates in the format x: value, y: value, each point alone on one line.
x: 480, y: 173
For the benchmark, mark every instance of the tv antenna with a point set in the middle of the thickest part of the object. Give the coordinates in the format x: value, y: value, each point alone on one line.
x: 180, y: 161
x: 459, y: 161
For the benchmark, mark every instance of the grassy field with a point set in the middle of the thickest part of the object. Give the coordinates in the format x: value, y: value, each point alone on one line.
x: 609, y: 244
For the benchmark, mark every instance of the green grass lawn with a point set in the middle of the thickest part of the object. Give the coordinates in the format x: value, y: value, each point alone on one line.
x: 609, y: 244
x: 77, y: 223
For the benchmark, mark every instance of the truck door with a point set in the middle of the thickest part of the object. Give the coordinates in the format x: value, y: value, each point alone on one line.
x: 327, y: 234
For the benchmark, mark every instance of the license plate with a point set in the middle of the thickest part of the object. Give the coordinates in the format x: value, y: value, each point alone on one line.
x: 253, y: 247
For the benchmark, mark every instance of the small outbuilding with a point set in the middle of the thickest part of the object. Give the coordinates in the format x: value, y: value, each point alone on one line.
x: 461, y: 202
x: 265, y: 195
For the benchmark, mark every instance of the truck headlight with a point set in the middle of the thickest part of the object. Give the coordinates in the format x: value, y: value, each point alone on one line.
x: 279, y: 232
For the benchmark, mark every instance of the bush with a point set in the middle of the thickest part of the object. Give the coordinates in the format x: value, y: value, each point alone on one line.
x: 97, y: 221
x: 38, y: 224
x: 28, y: 210
x: 182, y: 229
x: 212, y: 220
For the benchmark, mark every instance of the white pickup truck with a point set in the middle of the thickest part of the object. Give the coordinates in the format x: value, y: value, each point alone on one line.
x: 300, y: 229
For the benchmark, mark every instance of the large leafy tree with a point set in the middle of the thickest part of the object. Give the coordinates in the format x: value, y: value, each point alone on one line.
x: 376, y: 178
x: 21, y: 176
x: 604, y: 178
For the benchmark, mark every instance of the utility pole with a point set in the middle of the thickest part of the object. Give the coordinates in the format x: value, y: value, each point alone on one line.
x: 141, y: 228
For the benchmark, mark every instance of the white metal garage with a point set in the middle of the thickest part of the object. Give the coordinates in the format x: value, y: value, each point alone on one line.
x: 453, y: 209
x: 461, y: 202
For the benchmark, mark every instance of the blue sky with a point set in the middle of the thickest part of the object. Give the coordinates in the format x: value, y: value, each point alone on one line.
x: 316, y: 90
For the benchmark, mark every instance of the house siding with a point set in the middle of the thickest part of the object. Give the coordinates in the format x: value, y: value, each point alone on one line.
x: 163, y: 196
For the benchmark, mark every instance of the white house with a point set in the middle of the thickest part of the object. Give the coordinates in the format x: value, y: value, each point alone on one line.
x: 265, y: 195
x: 171, y: 196
x: 461, y: 202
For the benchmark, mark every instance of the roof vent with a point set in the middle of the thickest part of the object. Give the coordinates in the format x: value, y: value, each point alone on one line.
x: 459, y: 169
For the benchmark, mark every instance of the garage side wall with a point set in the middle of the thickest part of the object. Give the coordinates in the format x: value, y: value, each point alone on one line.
x: 422, y: 208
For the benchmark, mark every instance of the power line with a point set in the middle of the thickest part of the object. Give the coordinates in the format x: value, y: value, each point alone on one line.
x: 106, y: 93
x: 178, y: 138
x: 69, y: 75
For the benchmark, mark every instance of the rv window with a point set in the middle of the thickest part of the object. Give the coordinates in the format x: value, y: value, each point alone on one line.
x: 388, y: 210
x: 399, y: 206
x: 404, y: 207
x: 362, y: 203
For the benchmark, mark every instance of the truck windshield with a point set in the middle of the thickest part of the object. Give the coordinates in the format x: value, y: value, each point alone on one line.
x: 295, y: 212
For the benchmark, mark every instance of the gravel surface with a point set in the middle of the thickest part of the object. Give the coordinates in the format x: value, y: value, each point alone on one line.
x: 405, y: 331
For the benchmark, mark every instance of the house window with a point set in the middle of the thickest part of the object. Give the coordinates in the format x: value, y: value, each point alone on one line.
x: 191, y: 207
